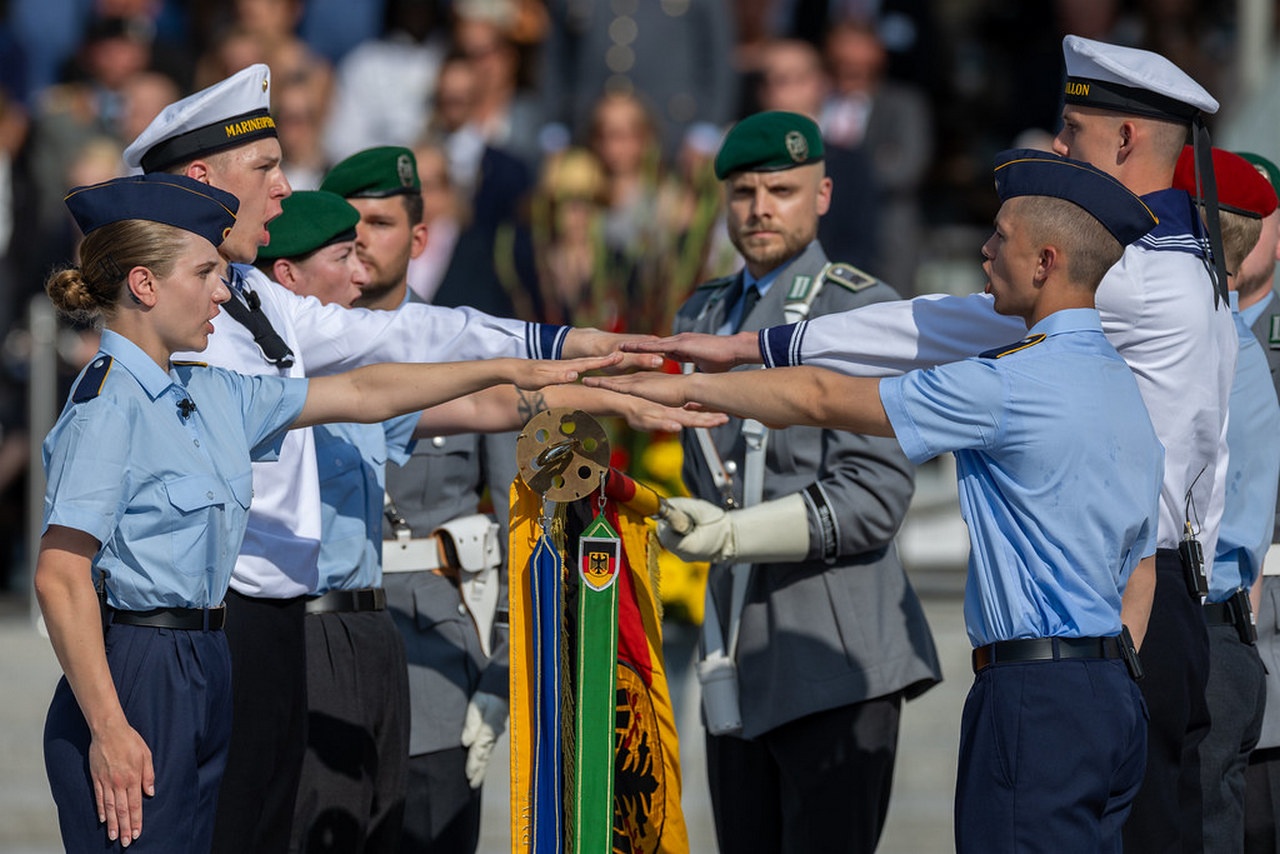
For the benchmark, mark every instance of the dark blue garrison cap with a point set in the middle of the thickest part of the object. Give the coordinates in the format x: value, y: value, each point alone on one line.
x: 1028, y: 172
x: 159, y: 197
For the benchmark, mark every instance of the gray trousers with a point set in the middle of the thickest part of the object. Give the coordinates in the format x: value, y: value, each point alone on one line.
x: 1236, y: 694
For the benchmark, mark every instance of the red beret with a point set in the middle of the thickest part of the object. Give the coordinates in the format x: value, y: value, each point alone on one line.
x: 1242, y: 189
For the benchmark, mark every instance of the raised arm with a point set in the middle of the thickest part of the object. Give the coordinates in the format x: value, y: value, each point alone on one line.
x: 337, y: 339
x: 877, y: 340
x: 119, y: 759
x: 378, y: 392
x: 505, y: 408
x: 809, y: 396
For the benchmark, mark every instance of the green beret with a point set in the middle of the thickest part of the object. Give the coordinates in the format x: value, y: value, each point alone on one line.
x: 375, y: 173
x: 1265, y: 166
x: 769, y: 142
x: 312, y: 219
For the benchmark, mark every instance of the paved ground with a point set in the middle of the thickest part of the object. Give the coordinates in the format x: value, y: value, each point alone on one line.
x: 919, y: 815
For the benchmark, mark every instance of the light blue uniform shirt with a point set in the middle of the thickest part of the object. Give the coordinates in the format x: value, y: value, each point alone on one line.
x: 1253, y: 467
x: 1251, y: 314
x: 167, y: 496
x: 352, y: 462
x: 1059, y: 472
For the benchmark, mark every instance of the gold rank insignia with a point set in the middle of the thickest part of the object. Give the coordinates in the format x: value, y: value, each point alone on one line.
x: 1017, y: 346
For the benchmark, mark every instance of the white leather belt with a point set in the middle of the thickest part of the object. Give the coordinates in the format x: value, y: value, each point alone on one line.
x: 1271, y: 564
x: 412, y: 555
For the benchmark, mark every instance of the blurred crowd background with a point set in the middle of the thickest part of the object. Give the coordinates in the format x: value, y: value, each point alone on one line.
x: 565, y: 146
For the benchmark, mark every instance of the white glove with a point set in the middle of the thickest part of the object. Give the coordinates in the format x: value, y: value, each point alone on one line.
x: 486, y: 719
x: 776, y: 531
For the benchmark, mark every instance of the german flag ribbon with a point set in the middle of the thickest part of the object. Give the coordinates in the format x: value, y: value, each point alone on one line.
x: 599, y: 559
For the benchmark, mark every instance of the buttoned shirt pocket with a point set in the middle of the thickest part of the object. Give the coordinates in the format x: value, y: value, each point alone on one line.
x: 452, y: 453
x: 200, y: 515
x: 438, y: 607
x: 440, y: 615
x: 439, y: 482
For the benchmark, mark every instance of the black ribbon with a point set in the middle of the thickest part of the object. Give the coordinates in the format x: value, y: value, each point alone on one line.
x: 1207, y: 191
x: 254, y: 319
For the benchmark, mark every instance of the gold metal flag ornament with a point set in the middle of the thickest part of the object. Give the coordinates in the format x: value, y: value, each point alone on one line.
x: 594, y: 751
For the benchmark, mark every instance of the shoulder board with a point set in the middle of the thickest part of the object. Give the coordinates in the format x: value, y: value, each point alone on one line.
x: 91, y: 381
x: 1273, y: 333
x: 717, y: 283
x: 189, y: 364
x: 848, y: 277
x: 1001, y: 352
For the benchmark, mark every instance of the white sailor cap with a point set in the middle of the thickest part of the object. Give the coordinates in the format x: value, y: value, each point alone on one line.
x: 1128, y: 80
x: 231, y: 112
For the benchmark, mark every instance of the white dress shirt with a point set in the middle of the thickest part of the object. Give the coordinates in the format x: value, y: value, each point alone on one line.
x: 282, y: 543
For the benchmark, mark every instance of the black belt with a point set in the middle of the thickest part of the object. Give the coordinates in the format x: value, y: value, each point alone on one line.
x: 1044, y: 649
x: 364, y: 599
x: 1236, y: 612
x: 1218, y: 614
x: 186, y: 619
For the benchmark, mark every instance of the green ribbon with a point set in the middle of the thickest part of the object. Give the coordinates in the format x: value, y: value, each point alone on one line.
x: 599, y: 561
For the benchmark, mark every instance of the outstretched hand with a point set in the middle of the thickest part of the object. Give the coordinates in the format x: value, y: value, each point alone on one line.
x: 711, y: 354
x: 533, y: 374
x: 665, y: 389
x: 649, y: 417
x: 595, y: 342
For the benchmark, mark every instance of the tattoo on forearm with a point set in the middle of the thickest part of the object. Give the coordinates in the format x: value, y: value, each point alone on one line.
x: 530, y: 403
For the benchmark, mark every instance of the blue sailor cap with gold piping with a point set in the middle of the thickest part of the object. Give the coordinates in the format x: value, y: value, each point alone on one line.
x: 231, y: 112
x: 1128, y: 80
x: 1029, y: 172
x: 769, y: 142
x: 168, y: 199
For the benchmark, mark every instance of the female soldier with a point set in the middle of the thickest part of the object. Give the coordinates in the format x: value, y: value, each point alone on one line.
x: 149, y: 484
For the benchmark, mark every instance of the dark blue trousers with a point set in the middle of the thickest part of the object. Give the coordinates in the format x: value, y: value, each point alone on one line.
x: 1051, y: 756
x: 175, y: 687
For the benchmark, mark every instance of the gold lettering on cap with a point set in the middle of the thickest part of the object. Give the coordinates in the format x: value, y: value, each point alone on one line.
x: 249, y: 126
x: 1077, y: 89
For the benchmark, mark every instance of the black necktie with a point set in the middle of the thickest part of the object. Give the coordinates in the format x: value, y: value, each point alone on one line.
x: 750, y: 296
x: 253, y: 318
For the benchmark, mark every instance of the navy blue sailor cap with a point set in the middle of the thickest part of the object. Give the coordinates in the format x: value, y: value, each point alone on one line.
x: 174, y: 200
x: 1030, y: 172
